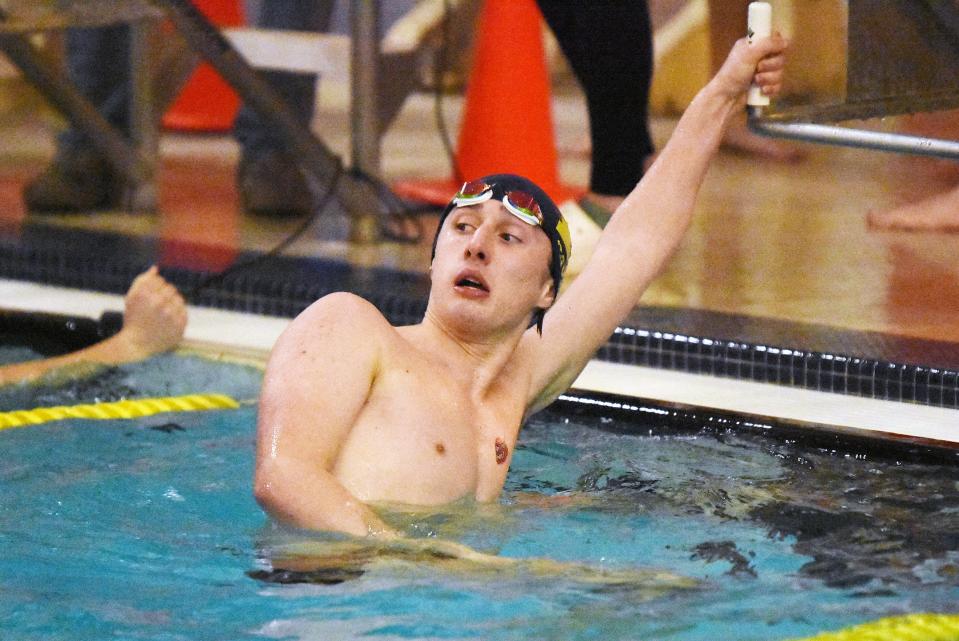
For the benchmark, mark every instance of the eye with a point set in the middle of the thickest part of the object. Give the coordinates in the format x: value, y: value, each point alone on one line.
x: 462, y: 226
x: 510, y: 238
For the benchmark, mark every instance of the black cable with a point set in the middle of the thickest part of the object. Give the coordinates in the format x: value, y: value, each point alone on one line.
x: 279, y: 247
x: 394, y: 207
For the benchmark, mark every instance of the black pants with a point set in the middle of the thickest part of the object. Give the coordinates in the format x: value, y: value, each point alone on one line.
x: 609, y: 46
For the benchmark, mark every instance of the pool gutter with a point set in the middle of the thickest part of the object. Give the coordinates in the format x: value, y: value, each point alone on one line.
x: 249, y: 337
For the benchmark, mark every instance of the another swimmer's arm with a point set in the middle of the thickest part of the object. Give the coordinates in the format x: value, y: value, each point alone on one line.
x: 87, y: 361
x: 646, y: 229
x: 317, y: 381
x: 153, y: 321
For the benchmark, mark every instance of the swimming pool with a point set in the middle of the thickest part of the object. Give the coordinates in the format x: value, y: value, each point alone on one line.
x: 147, y: 529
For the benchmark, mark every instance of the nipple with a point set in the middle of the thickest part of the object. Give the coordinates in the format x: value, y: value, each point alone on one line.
x: 502, y: 450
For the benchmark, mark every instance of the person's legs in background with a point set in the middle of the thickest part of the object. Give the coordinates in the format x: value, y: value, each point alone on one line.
x: 609, y: 47
x: 79, y: 178
x: 267, y: 177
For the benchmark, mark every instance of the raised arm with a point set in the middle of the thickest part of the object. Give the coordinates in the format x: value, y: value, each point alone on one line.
x: 317, y: 381
x: 153, y: 321
x: 647, y: 228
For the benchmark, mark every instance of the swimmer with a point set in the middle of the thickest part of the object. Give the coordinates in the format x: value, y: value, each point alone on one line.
x: 356, y: 413
x: 154, y: 319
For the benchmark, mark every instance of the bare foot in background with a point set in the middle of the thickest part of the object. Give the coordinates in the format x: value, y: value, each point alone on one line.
x: 727, y: 23
x: 738, y: 138
x: 600, y: 207
x: 939, y: 212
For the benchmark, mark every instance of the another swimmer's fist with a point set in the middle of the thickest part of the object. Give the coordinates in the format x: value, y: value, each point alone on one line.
x: 154, y: 317
x: 761, y: 62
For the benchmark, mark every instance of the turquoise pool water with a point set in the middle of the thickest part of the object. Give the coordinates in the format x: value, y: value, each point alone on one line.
x: 147, y: 530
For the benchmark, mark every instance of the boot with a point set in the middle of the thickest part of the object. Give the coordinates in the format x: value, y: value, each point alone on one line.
x: 271, y: 184
x: 77, y: 180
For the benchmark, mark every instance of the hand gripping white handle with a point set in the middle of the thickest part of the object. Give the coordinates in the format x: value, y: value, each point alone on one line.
x: 760, y: 26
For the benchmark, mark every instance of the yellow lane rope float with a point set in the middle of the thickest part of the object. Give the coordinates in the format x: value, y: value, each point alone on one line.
x: 912, y: 627
x: 134, y: 408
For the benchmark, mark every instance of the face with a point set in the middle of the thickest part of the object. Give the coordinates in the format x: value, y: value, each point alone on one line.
x: 491, y: 270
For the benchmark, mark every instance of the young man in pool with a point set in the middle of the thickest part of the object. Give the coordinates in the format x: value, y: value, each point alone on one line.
x: 355, y: 411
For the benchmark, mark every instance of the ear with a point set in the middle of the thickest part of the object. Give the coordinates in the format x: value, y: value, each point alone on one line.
x: 547, y: 296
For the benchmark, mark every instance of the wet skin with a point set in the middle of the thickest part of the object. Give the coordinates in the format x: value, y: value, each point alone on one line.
x: 430, y: 432
x: 424, y: 414
x: 355, y: 411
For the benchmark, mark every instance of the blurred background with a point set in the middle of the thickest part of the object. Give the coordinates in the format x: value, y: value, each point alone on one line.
x: 776, y: 238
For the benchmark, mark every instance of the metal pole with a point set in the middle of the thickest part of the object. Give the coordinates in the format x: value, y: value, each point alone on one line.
x: 143, y: 119
x: 848, y: 137
x: 364, y: 112
x: 321, y: 168
x: 61, y: 91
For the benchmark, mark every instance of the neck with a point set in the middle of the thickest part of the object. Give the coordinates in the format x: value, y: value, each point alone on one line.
x: 480, y: 358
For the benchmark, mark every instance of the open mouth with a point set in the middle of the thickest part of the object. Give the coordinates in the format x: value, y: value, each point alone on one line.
x: 472, y: 281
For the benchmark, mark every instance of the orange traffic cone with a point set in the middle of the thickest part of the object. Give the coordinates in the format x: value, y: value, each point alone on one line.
x: 207, y: 102
x: 507, y: 122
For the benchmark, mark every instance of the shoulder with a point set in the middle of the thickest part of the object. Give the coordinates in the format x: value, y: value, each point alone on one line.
x: 340, y: 313
x: 341, y: 306
x: 334, y: 346
x: 338, y: 322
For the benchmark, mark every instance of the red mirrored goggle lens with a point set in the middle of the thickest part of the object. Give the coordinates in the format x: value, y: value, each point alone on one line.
x: 527, y: 203
x: 473, y: 189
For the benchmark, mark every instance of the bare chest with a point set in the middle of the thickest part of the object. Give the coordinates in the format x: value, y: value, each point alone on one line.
x: 421, y: 439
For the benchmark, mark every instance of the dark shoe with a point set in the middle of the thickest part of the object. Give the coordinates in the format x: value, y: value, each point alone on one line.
x: 76, y: 180
x: 599, y: 214
x: 271, y: 184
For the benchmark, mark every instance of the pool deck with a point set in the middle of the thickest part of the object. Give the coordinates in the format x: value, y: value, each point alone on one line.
x: 777, y: 255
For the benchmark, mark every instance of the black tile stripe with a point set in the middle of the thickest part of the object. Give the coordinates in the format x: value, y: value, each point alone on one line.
x: 764, y: 350
x: 827, y: 372
x: 639, y: 416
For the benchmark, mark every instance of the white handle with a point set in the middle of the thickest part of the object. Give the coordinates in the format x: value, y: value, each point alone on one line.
x: 760, y: 25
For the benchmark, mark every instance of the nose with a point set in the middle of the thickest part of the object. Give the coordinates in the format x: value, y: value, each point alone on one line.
x: 478, y: 246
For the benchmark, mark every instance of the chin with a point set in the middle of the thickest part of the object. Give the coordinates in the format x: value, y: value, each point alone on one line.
x: 466, y: 318
x: 467, y: 321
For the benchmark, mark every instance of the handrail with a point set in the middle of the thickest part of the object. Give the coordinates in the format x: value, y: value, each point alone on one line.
x: 851, y: 137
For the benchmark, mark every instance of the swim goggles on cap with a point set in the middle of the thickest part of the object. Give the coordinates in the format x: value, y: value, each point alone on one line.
x: 519, y: 203
x: 523, y: 205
